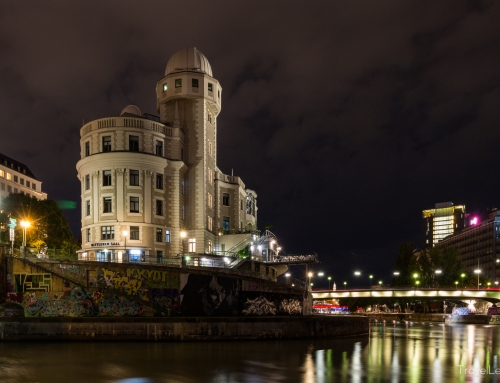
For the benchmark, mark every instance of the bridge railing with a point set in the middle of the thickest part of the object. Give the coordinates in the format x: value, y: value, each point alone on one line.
x: 293, y: 258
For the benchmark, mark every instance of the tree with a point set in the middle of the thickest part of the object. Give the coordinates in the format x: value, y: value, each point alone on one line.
x: 47, y: 222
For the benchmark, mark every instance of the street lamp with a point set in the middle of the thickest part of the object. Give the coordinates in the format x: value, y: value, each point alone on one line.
x: 287, y: 275
x: 357, y: 273
x: 25, y: 225
x: 456, y: 285
x: 477, y: 271
x: 415, y: 276
x: 371, y: 276
x: 309, y: 275
x: 380, y: 283
x: 320, y: 274
x: 417, y: 283
x: 462, y: 276
x: 329, y: 280
x: 345, y: 285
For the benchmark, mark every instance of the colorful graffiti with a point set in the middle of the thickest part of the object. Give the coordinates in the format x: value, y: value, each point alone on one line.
x: 258, y: 303
x: 136, y: 283
x: 80, y: 302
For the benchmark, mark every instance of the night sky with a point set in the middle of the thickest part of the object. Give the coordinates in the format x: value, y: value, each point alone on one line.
x: 347, y: 118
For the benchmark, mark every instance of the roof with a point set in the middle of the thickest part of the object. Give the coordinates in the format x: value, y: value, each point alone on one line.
x: 188, y: 59
x: 15, y: 165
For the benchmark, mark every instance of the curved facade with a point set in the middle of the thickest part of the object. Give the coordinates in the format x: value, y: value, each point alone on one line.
x: 151, y: 188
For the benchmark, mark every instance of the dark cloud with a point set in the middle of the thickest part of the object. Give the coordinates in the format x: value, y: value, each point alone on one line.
x: 347, y: 119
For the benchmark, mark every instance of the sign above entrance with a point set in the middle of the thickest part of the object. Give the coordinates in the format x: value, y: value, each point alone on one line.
x: 105, y: 244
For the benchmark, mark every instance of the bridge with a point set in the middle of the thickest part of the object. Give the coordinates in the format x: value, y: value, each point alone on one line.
x: 490, y: 295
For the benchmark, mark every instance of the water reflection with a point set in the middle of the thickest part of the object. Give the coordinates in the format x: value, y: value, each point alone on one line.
x: 390, y: 353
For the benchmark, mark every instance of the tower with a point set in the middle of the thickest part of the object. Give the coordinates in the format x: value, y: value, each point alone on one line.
x: 189, y: 99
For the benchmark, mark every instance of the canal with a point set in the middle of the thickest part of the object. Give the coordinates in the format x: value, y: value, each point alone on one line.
x: 390, y: 353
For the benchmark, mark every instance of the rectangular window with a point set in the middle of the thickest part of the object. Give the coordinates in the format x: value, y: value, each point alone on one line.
x: 209, y: 246
x: 28, y: 184
x: 87, y: 182
x: 134, y: 204
x: 159, y: 148
x: 183, y: 212
x: 9, y: 189
x: 209, y: 176
x: 9, y: 176
x: 33, y: 186
x: 210, y: 148
x: 107, y: 232
x: 159, y: 256
x: 134, y: 232
x: 210, y: 201
x: 22, y: 181
x: 87, y: 149
x: 159, y: 207
x: 2, y: 173
x: 194, y: 83
x: 159, y: 181
x: 106, y: 178
x: 209, y: 223
x: 87, y: 207
x: 16, y: 179
x: 106, y: 143
x: 159, y: 235
x: 225, y: 199
x: 133, y: 143
x: 178, y: 83
x: 182, y: 154
x: 2, y: 186
x: 107, y: 205
x: 241, y: 204
x: 87, y: 235
x: 210, y: 87
x: 183, y: 189
x: 192, y: 245
x: 134, y: 177
x: 165, y: 87
x: 225, y: 224
x: 167, y: 236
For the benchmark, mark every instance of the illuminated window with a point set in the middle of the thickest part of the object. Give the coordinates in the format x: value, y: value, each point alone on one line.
x: 192, y: 245
x: 167, y: 236
x: 209, y: 223
x: 209, y: 246
x: 178, y: 83
x: 209, y: 176
x: 2, y: 173
x: 210, y: 200
x: 165, y: 87
x: 9, y: 176
x: 225, y: 224
x: 107, y: 232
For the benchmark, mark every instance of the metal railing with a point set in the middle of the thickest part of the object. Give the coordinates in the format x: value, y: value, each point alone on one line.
x: 293, y: 258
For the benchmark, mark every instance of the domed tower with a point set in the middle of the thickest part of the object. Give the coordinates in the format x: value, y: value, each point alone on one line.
x: 189, y: 101
x: 122, y: 174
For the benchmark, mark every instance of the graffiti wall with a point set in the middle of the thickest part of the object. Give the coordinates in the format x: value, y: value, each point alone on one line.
x: 262, y: 303
x: 129, y: 291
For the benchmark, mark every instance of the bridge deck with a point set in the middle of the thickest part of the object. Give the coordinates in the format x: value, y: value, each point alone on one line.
x: 491, y: 295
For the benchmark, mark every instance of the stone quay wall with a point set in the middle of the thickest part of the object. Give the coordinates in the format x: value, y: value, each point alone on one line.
x: 180, y: 329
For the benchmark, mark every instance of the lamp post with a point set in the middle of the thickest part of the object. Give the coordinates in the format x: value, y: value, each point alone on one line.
x: 125, y: 233
x: 287, y: 275
x: 25, y: 225
x: 329, y: 280
x: 456, y: 285
x: 462, y: 276
x: 477, y: 271
x: 357, y: 273
x: 371, y: 276
x: 438, y: 272
x: 345, y: 285
x: 415, y: 276
x: 309, y: 275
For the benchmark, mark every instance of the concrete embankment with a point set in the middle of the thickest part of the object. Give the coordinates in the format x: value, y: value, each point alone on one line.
x: 180, y: 329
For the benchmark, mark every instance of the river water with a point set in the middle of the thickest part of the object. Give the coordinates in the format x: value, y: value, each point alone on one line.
x: 390, y: 353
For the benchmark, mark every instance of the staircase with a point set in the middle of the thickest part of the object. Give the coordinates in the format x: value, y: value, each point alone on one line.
x: 73, y: 278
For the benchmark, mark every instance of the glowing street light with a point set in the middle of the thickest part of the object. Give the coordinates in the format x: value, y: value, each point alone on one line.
x: 320, y: 274
x: 462, y: 276
x: 25, y: 225
x: 438, y: 271
x: 456, y: 285
x: 345, y: 285
x: 287, y: 275
x: 329, y: 280
x: 371, y: 276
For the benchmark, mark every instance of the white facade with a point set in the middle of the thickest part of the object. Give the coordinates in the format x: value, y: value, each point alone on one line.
x: 15, y: 177
x: 151, y: 187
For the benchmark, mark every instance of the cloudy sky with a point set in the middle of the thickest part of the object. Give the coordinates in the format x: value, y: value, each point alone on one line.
x: 347, y: 118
